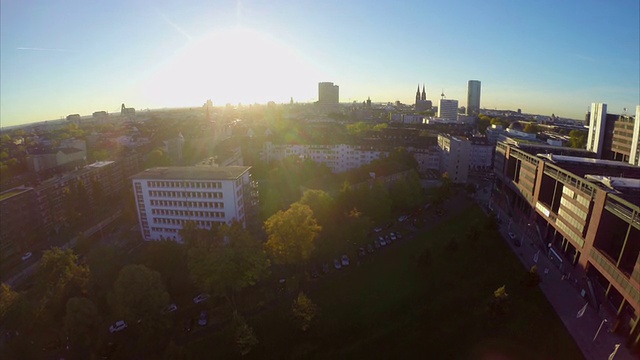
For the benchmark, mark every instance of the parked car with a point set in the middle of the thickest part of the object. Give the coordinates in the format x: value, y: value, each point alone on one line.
x: 382, y: 242
x: 403, y: 218
x: 336, y: 264
x: 393, y: 236
x: 345, y: 260
x: 325, y: 268
x: 361, y: 252
x: 201, y: 298
x: 171, y: 308
x: 27, y: 256
x: 387, y: 239
x: 118, y: 326
x: 378, y: 229
x: 376, y: 244
x: 203, y: 319
x: 398, y: 235
x: 369, y: 248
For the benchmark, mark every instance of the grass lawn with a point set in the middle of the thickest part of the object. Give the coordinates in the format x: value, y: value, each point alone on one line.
x: 390, y: 308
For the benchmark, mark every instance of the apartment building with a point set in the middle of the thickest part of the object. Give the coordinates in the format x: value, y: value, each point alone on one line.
x: 167, y: 198
x: 339, y: 157
x: 454, y: 157
x: 586, y: 213
x: 19, y: 224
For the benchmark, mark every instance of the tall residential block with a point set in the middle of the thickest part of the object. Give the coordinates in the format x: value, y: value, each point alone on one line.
x: 328, y: 93
x: 473, y: 97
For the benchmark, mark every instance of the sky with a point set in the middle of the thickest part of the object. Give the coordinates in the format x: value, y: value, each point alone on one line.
x: 543, y: 56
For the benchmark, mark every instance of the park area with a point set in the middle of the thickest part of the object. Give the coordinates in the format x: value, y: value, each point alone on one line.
x: 427, y: 295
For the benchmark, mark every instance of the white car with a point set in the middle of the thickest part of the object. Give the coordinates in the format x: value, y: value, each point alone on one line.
x: 118, y: 326
x: 512, y: 236
x: 378, y: 229
x: 345, y: 260
x: 27, y: 256
x: 171, y: 308
x: 200, y: 298
x: 392, y: 236
x: 403, y: 218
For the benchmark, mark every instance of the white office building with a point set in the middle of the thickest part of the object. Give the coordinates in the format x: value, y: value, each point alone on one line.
x: 448, y: 109
x: 167, y: 198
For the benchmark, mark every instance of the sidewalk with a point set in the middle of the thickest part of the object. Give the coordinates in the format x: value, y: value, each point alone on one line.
x: 567, y: 301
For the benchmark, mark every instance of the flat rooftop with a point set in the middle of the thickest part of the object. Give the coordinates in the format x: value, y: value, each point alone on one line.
x: 193, y: 173
x: 12, y: 192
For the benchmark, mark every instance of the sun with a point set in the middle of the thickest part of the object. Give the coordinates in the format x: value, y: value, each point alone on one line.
x: 236, y: 65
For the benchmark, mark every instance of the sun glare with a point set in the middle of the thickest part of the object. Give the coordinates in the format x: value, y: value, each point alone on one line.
x: 232, y: 66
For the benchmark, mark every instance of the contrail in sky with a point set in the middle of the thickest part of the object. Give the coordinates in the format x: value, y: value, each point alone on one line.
x: 44, y: 49
x: 175, y: 26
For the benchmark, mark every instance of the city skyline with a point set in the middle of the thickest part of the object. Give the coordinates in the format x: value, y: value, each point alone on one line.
x: 65, y: 58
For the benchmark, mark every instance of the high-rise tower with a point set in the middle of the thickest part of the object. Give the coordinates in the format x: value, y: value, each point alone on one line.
x: 473, y: 97
x: 328, y: 94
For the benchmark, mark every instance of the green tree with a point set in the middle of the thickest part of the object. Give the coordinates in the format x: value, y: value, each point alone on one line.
x: 104, y: 263
x: 533, y: 278
x: 58, y: 278
x: 291, y: 235
x: 157, y: 157
x: 531, y: 128
x: 81, y: 321
x: 322, y: 205
x: 304, y: 311
x: 229, y: 263
x: 169, y: 258
x: 15, y: 312
x: 578, y: 139
x: 138, y: 294
x: 499, y: 304
x: 245, y: 337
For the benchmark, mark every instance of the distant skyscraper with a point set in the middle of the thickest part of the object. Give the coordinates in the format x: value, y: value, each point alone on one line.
x: 328, y: 94
x: 448, y: 109
x: 473, y: 97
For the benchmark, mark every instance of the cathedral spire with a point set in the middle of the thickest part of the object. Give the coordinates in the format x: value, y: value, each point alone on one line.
x: 424, y: 93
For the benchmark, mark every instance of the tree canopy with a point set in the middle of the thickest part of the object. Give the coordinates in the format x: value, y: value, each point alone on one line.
x: 228, y: 262
x: 138, y: 294
x: 291, y: 234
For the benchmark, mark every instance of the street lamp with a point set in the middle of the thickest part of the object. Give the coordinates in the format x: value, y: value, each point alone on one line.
x: 600, y: 327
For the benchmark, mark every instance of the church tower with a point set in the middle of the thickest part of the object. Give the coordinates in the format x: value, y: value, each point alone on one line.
x: 424, y: 93
x: 418, y: 95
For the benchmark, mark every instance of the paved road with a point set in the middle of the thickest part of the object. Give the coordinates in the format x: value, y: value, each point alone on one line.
x: 564, y: 296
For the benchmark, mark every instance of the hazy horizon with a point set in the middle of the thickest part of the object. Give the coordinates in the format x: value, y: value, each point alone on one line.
x: 545, y: 57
